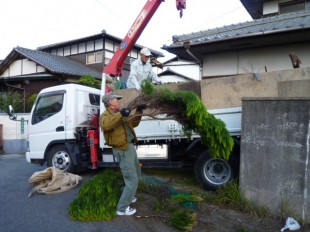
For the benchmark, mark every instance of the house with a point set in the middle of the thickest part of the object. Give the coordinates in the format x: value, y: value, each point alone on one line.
x: 28, y: 71
x: 262, y: 45
x: 177, y: 70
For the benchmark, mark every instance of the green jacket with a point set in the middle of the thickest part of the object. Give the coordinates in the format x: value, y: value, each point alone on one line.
x: 117, y: 137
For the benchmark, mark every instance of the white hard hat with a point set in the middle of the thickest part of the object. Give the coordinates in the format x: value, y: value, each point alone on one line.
x: 146, y: 52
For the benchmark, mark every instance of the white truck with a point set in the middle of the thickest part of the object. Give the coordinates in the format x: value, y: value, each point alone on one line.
x: 63, y: 132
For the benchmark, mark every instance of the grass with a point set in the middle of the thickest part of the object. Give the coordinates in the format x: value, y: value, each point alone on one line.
x: 228, y: 196
x: 98, y: 197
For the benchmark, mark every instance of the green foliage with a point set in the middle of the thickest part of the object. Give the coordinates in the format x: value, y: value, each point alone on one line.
x: 90, y: 81
x: 97, y: 197
x: 183, y: 220
x: 31, y: 101
x: 230, y: 196
x: 147, y: 87
x: 195, y: 118
x: 11, y: 98
x: 213, y: 131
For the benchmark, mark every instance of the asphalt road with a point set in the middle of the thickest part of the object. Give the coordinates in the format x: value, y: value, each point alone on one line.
x: 44, y: 212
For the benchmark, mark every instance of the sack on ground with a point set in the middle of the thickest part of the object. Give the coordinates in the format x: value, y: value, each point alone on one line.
x: 53, y: 180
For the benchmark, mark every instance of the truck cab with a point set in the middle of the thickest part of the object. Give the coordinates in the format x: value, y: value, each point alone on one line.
x: 55, y: 116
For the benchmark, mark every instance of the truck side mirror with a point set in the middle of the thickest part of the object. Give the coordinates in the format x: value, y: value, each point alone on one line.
x: 11, y: 113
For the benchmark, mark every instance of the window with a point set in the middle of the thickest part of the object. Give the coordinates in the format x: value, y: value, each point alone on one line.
x: 94, y: 57
x: 47, y: 106
x: 90, y: 46
x: 60, y: 52
x: 82, y: 48
x: 99, y: 44
x: 94, y: 99
x: 74, y: 49
x: 109, y: 45
x: 134, y: 54
x: 67, y: 51
x: 307, y: 4
x: 291, y: 6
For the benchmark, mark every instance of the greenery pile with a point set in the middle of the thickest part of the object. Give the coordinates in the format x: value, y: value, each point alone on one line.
x: 98, y: 197
x: 186, y: 108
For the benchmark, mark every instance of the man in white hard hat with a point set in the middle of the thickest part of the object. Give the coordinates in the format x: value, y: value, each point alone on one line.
x: 140, y: 70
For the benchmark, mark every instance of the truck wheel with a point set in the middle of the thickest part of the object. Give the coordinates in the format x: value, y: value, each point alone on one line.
x: 213, y: 172
x: 59, y: 157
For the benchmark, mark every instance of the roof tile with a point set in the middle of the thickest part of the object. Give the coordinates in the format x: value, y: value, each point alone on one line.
x: 296, y: 20
x: 57, y: 64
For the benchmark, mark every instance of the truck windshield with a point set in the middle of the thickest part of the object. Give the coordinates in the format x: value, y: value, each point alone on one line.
x: 46, y: 107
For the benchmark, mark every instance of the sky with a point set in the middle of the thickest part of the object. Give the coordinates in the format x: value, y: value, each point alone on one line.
x: 35, y: 23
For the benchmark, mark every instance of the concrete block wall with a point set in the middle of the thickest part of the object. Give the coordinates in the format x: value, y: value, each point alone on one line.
x: 225, y: 92
x: 275, y: 147
x: 14, y: 141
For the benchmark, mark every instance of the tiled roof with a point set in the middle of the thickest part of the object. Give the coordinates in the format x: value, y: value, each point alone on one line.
x: 275, y: 24
x: 57, y: 64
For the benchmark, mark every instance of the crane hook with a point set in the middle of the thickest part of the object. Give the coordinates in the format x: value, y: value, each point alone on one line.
x: 181, y: 5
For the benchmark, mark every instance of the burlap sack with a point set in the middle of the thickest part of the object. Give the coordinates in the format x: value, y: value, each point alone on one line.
x: 53, y: 180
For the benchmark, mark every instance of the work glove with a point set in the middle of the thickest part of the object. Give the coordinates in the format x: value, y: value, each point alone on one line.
x: 141, y: 107
x: 125, y: 112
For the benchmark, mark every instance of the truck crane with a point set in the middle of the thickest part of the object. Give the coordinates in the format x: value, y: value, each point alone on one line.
x: 62, y: 138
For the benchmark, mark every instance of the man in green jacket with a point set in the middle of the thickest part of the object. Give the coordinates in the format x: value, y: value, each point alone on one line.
x: 120, y: 135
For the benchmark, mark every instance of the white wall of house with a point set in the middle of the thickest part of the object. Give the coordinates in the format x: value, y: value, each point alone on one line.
x: 22, y: 67
x: 257, y: 60
x: 173, y: 79
x: 186, y: 68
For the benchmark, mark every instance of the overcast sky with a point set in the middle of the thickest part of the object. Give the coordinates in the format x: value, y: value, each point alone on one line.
x: 35, y: 23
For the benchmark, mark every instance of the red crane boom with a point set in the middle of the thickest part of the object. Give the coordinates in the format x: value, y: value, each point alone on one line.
x: 115, y: 66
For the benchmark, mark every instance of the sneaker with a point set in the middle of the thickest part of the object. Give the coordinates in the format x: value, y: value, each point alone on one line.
x: 134, y: 199
x: 128, y: 211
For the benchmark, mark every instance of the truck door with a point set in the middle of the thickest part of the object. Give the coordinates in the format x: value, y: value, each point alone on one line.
x: 47, y: 122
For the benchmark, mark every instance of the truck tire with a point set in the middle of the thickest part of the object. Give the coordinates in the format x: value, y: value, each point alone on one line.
x: 59, y: 157
x: 213, y: 172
